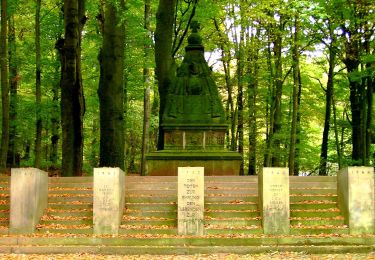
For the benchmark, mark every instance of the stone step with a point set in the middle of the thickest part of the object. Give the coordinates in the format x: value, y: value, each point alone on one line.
x: 189, y: 250
x: 317, y: 222
x: 70, y: 192
x: 235, y: 205
x: 317, y: 230
x: 148, y: 221
x: 76, y: 230
x: 152, y: 206
x: 85, y: 179
x: 70, y: 185
x: 60, y: 214
x: 311, y: 198
x: 5, y: 206
x: 323, y: 213
x: 209, y: 198
x: 70, y: 199
x: 302, y: 205
x: 246, y: 230
x: 233, y: 222
x: 172, y: 241
x: 313, y: 191
x: 232, y: 214
x: 153, y: 230
x: 49, y: 220
x: 70, y: 206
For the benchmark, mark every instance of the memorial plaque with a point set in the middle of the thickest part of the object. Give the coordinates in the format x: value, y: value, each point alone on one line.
x: 190, y: 200
x: 109, y: 199
x: 356, y: 199
x: 274, y: 200
x: 28, y: 199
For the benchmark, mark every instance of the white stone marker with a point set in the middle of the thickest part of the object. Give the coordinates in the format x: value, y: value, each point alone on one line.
x: 28, y: 199
x: 355, y: 186
x: 190, y: 201
x: 274, y: 200
x: 109, y: 200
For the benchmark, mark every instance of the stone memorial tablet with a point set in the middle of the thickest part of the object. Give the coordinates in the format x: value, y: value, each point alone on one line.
x: 274, y: 200
x: 190, y: 200
x: 109, y: 199
x: 356, y: 198
x: 28, y: 199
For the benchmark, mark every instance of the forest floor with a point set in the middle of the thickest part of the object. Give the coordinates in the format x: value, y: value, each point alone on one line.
x: 275, y: 255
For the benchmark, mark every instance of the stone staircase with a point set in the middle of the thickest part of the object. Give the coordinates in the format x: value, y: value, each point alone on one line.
x: 314, y: 206
x: 4, y: 204
x: 149, y: 225
x: 69, y: 209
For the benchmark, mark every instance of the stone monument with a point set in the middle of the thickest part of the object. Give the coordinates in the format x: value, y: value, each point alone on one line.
x: 355, y: 186
x: 28, y: 199
x: 190, y: 213
x: 194, y: 121
x: 109, y: 200
x: 274, y: 200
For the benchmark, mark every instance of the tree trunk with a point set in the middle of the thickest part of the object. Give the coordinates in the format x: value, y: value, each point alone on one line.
x: 38, y: 92
x: 329, y: 97
x: 163, y: 55
x: 13, y: 158
x: 146, y: 126
x: 253, y: 69
x: 4, y: 87
x: 111, y: 89
x: 72, y: 99
x: 147, y: 90
x: 293, y: 170
x: 337, y: 139
x: 240, y: 74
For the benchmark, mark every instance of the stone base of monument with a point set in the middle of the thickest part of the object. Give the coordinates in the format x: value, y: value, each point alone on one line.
x: 356, y: 198
x: 166, y: 162
x: 28, y: 199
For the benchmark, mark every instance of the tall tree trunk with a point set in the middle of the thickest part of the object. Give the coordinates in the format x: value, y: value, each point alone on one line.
x: 240, y: 74
x: 13, y: 159
x: 329, y: 98
x: 253, y: 70
x: 111, y: 89
x: 336, y: 130
x: 72, y: 99
x: 38, y: 92
x: 370, y: 80
x: 4, y: 87
x: 147, y: 87
x: 293, y: 170
x: 163, y: 55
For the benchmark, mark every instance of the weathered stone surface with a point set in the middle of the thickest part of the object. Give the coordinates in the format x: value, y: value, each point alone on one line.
x: 215, y: 163
x: 355, y: 187
x: 274, y: 200
x: 190, y: 201
x: 193, y: 120
x: 28, y: 199
x: 109, y: 199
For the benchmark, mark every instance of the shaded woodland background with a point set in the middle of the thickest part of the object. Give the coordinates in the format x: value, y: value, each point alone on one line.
x: 83, y: 81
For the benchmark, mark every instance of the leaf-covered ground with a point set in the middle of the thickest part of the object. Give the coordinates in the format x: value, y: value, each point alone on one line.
x: 275, y: 255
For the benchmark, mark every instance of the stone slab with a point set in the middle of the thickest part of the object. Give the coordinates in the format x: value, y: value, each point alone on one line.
x: 166, y: 162
x: 28, y: 199
x: 109, y: 200
x: 190, y: 213
x: 274, y: 200
x: 355, y: 187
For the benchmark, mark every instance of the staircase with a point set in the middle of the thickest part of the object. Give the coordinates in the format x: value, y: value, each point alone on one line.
x: 69, y: 209
x: 314, y: 206
x: 4, y: 204
x: 149, y: 225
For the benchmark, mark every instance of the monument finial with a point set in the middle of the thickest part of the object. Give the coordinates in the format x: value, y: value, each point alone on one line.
x: 195, y: 26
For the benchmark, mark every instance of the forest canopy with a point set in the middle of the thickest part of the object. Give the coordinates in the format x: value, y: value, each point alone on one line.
x: 83, y: 82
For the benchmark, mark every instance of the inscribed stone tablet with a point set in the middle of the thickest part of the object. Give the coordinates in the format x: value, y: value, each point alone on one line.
x: 190, y: 200
x: 274, y: 200
x: 28, y: 199
x: 356, y: 197
x: 109, y: 199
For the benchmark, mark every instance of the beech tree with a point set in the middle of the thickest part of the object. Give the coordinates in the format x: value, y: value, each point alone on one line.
x: 72, y: 99
x: 111, y: 87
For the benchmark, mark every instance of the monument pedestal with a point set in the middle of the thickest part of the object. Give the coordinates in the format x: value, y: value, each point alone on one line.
x: 166, y: 162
